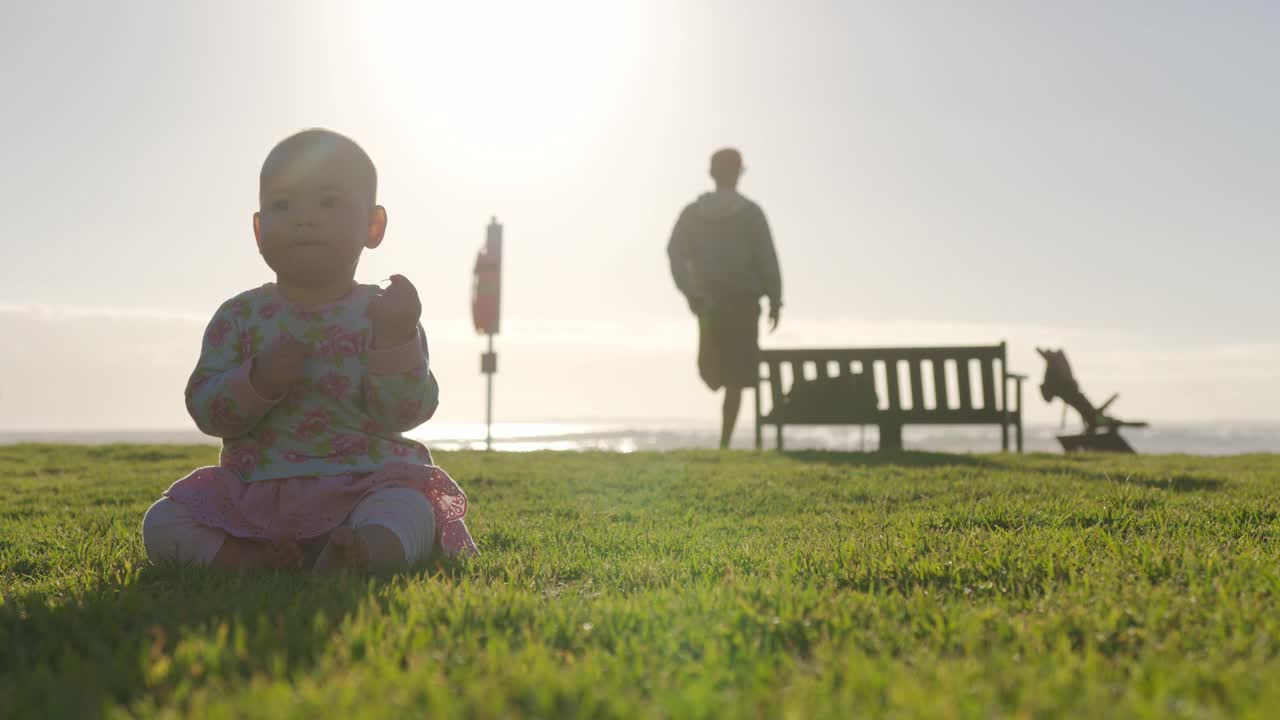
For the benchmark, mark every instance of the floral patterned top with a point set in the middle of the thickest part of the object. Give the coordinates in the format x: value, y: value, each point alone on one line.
x: 346, y: 416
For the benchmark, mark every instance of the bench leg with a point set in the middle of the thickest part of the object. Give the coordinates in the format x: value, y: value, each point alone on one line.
x: 1004, y: 436
x: 1018, y: 418
x: 779, y: 436
x: 891, y: 437
x: 759, y: 430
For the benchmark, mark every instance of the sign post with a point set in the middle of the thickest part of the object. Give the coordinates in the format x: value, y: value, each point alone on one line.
x: 486, y: 294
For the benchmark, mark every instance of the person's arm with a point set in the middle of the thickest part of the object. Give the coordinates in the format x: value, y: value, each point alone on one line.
x: 766, y: 259
x: 680, y: 253
x: 400, y: 390
x: 220, y: 397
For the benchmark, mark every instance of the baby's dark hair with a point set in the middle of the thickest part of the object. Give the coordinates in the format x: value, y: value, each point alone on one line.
x: 301, y: 152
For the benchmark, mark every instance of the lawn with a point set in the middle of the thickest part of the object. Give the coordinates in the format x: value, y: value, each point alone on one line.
x: 690, y: 584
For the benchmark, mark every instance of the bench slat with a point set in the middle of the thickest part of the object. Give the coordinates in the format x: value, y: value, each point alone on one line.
x: 906, y: 417
x: 940, y: 386
x: 962, y: 374
x: 917, y: 386
x: 891, y: 380
x: 867, y: 354
x: 775, y: 384
x: 988, y: 384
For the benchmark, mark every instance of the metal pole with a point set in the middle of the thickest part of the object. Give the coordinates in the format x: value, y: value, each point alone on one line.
x: 488, y: 413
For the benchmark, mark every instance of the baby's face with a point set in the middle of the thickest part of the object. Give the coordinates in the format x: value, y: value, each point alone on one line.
x: 312, y: 226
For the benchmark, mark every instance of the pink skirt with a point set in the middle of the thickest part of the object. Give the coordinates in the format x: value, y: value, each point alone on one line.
x: 300, y: 508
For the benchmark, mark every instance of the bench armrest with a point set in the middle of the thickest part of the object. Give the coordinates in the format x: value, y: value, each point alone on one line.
x: 1017, y: 391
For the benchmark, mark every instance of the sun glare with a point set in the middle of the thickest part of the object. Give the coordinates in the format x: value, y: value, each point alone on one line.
x: 518, y: 83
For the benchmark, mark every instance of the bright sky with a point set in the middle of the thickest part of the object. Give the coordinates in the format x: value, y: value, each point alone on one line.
x: 1101, y: 176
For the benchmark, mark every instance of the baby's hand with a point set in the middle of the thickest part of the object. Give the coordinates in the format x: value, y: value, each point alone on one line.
x: 394, y: 313
x: 278, y: 369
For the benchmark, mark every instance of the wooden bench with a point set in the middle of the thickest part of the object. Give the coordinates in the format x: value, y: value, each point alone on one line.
x: 891, y: 387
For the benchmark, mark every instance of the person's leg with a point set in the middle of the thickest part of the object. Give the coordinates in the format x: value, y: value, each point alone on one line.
x: 171, y: 535
x: 739, y: 352
x: 709, y: 351
x: 729, y: 418
x: 389, y: 530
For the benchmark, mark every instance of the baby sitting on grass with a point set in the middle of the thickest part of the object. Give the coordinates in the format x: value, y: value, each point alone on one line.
x: 310, y: 381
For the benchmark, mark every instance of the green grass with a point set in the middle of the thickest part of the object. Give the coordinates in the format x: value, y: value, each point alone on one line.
x: 675, y: 585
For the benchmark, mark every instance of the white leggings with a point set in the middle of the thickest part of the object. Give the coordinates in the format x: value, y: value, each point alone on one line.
x: 170, y: 534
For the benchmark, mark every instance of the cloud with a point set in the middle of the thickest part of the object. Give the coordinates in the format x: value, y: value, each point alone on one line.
x: 52, y: 311
x: 67, y: 366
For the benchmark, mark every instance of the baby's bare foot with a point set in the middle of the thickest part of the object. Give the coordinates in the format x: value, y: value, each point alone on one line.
x: 345, y: 552
x: 246, y: 555
x: 283, y: 554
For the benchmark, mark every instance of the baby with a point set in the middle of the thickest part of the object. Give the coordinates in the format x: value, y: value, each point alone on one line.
x: 310, y: 381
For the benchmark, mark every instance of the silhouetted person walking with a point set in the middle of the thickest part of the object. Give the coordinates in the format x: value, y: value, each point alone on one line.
x: 723, y: 260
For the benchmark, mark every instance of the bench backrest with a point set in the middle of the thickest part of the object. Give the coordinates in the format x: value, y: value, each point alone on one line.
x: 914, y: 384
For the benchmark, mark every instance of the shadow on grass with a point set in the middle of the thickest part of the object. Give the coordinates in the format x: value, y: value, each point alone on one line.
x: 1069, y: 467
x: 157, y: 633
x: 905, y: 458
x: 1175, y: 483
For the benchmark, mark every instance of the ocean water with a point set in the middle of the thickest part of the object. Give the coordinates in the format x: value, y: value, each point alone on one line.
x: 1225, y: 438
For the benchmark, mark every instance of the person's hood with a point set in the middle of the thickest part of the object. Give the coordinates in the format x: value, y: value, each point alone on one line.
x: 720, y: 204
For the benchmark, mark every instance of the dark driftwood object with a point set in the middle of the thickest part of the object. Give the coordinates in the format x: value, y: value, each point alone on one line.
x: 1101, y: 431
